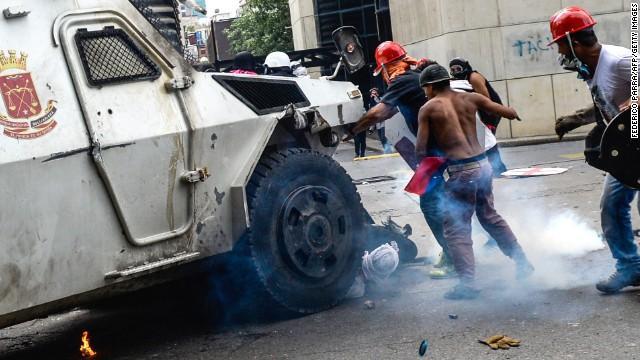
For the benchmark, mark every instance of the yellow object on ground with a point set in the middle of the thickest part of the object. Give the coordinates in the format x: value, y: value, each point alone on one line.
x: 574, y: 156
x: 373, y: 157
x: 500, y: 342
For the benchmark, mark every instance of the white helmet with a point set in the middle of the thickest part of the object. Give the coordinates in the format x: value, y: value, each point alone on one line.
x: 381, y: 262
x: 277, y: 59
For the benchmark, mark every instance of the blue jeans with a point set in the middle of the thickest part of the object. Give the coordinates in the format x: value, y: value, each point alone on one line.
x: 615, y: 213
x: 495, y: 159
x: 431, y: 204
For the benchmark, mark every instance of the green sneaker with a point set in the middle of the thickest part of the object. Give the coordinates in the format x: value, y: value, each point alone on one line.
x: 442, y: 261
x: 445, y: 272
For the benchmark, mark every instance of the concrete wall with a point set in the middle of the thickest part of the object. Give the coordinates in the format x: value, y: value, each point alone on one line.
x: 506, y: 41
x: 303, y: 23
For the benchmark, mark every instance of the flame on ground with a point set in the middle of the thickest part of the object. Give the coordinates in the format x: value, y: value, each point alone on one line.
x: 85, y: 349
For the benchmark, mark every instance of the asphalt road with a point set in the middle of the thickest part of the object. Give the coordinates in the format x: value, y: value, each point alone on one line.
x: 558, y: 314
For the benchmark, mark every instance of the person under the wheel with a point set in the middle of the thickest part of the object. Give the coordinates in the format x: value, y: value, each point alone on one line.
x: 607, y: 71
x: 377, y: 266
x: 401, y: 73
x: 449, y: 118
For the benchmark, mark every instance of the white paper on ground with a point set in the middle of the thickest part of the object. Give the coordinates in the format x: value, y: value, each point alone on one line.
x: 534, y: 171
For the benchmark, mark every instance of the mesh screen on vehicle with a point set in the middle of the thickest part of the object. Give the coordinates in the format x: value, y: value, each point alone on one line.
x: 163, y: 15
x: 110, y: 56
x: 264, y: 96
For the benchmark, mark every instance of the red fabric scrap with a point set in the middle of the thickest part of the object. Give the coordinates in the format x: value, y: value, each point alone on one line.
x: 420, y: 180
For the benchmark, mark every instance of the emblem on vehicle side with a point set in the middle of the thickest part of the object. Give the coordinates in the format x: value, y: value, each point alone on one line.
x: 24, y: 118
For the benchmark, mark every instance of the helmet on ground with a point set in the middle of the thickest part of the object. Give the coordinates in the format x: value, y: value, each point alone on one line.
x: 381, y: 262
x: 386, y: 53
x: 277, y: 59
x: 433, y: 74
x: 569, y: 20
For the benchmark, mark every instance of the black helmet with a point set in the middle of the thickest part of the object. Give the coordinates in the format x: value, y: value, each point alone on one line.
x: 432, y: 74
x: 460, y: 68
x: 244, y: 61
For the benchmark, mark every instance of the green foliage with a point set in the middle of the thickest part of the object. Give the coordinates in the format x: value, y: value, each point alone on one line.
x: 263, y: 27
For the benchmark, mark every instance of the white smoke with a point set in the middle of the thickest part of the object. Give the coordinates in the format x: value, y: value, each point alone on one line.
x: 551, y: 242
x: 554, y: 238
x: 566, y: 235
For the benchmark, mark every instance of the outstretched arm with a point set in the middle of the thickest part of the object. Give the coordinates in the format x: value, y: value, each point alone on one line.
x: 423, y: 132
x: 566, y: 123
x: 376, y: 114
x: 487, y: 105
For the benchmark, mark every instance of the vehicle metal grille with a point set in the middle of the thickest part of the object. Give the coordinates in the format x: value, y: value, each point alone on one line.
x: 163, y: 15
x: 262, y: 95
x: 110, y: 56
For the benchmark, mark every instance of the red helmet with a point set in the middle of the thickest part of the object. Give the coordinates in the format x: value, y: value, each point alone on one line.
x: 386, y: 53
x: 569, y: 20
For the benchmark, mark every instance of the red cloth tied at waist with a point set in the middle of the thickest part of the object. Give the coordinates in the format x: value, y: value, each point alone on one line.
x: 426, y: 169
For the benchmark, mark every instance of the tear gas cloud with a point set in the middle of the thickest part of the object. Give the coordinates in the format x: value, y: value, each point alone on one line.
x: 551, y: 240
x: 551, y: 236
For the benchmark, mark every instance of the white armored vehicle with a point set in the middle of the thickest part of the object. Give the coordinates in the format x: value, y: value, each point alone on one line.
x: 120, y: 163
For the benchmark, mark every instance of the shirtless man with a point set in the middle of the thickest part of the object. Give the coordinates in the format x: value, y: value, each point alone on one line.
x: 451, y: 117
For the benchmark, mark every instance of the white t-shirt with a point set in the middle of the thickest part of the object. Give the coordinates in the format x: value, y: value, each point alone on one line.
x: 611, y: 83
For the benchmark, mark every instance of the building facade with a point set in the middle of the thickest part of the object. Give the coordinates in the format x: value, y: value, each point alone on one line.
x: 506, y: 40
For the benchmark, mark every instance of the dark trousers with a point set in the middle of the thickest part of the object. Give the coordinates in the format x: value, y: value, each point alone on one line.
x: 468, y: 191
x: 432, y: 206
x: 360, y: 141
x: 495, y: 160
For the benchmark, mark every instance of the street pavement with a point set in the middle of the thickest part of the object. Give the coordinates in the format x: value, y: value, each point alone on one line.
x: 558, y: 314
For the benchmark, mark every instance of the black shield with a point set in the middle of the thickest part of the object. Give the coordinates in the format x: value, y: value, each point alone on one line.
x: 620, y: 150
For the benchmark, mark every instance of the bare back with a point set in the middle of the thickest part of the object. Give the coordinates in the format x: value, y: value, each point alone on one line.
x: 452, y: 119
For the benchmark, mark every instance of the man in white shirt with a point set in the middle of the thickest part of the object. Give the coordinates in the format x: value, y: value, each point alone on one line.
x: 607, y: 71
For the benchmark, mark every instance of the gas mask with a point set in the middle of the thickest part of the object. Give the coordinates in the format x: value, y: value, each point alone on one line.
x: 459, y: 72
x: 573, y: 63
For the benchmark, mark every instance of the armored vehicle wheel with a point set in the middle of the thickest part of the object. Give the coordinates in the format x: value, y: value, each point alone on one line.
x: 307, y: 229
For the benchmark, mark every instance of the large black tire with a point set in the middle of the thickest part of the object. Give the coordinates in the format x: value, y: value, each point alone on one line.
x: 306, y: 236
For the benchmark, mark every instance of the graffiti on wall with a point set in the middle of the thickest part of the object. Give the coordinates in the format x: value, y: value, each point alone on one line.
x: 526, y: 51
x: 533, y: 47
